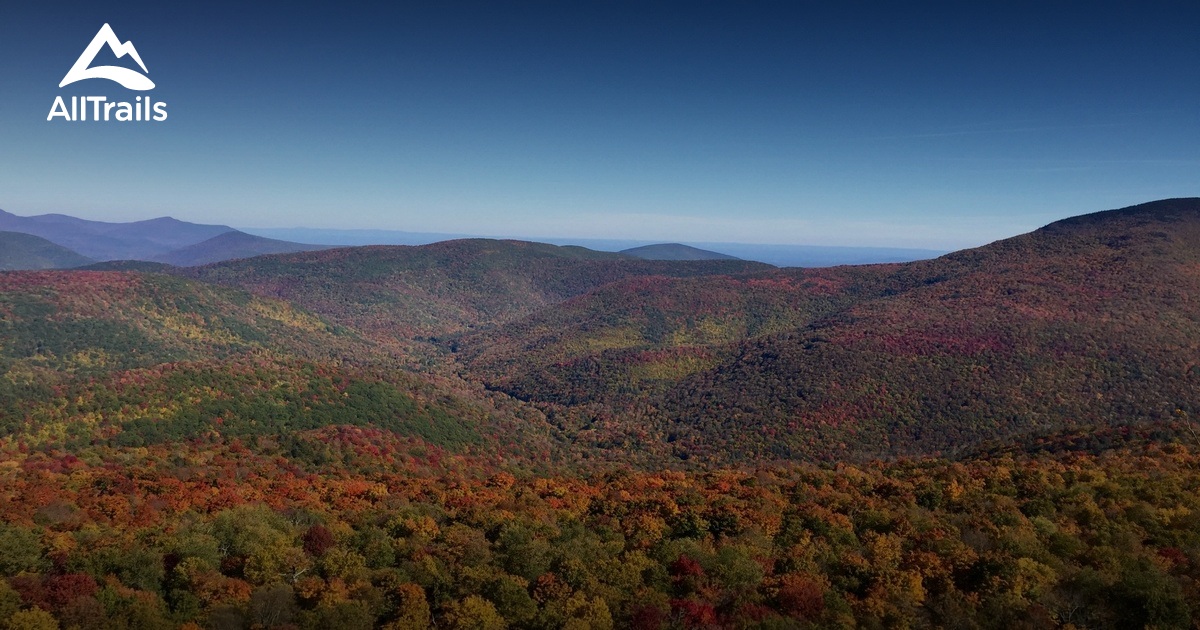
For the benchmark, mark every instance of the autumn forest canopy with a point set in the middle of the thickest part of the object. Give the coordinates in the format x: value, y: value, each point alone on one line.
x: 501, y: 434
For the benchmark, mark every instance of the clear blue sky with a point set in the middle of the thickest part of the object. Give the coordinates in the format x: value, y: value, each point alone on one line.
x: 831, y: 123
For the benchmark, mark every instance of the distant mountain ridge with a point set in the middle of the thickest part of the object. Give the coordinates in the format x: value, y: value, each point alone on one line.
x: 26, y: 252
x: 777, y: 255
x: 164, y: 239
x: 675, y: 251
x: 101, y: 240
x: 159, y: 240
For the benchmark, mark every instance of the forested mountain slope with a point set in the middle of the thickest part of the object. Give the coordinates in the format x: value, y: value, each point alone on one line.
x: 149, y: 358
x: 625, y: 338
x: 1090, y: 321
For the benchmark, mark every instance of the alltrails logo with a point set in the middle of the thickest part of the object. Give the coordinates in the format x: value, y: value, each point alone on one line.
x: 99, y: 107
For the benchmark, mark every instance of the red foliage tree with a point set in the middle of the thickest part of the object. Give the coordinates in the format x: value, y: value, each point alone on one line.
x: 317, y: 540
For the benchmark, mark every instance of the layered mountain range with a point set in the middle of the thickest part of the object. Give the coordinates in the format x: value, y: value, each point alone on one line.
x: 180, y: 243
x: 1088, y: 321
x: 482, y: 433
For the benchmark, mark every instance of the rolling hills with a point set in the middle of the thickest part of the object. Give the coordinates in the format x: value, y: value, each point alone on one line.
x: 1085, y: 322
x: 398, y: 292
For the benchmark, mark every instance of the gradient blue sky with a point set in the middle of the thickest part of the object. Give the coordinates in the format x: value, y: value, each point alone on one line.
x: 832, y: 123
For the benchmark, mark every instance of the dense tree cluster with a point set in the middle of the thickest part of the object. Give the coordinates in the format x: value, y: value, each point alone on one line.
x: 357, y: 527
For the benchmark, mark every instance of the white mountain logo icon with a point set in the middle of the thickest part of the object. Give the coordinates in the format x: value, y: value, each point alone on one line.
x: 130, y: 79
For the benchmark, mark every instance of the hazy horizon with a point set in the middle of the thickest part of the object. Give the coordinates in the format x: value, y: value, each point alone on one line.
x: 72, y: 233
